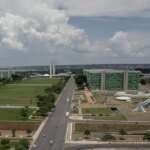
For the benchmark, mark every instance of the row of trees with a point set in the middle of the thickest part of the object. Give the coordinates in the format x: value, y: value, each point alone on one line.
x: 13, y: 78
x: 46, y: 102
x: 109, y: 137
x: 25, y: 112
x: 145, y: 81
x: 4, y: 81
x: 81, y: 81
x: 22, y: 144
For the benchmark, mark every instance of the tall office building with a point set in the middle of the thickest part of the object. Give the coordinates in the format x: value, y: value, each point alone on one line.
x: 112, y: 79
x: 51, y: 70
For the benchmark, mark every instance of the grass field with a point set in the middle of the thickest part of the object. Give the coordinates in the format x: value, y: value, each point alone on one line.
x: 47, y: 81
x: 10, y: 114
x: 106, y: 126
x: 103, y: 113
x: 25, y: 91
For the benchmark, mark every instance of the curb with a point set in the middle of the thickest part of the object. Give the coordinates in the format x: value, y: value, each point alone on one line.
x: 61, y: 92
x: 37, y: 133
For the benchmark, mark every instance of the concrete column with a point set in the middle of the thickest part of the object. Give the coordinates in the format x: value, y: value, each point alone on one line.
x: 50, y: 70
x: 8, y: 74
x: 103, y: 74
x: 53, y: 69
x: 13, y: 71
x: 1, y: 75
x: 125, y: 80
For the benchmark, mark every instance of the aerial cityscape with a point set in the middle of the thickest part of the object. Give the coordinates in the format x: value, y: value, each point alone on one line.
x: 74, y: 75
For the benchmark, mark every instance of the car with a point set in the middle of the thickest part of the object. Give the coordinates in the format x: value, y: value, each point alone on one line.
x: 43, y: 135
x: 49, y: 113
x: 67, y: 114
x: 67, y: 100
x: 51, y: 142
x: 53, y: 109
x: 34, y: 145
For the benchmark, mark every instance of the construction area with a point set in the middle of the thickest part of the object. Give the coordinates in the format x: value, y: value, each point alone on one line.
x: 100, y: 117
x: 114, y: 115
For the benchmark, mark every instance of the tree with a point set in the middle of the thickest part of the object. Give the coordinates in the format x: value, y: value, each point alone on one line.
x: 87, y: 133
x: 16, y: 77
x: 48, y: 90
x: 143, y: 81
x: 4, y: 144
x: 122, y: 132
x: 28, y: 131
x: 5, y: 141
x: 20, y: 147
x: 23, y: 144
x: 80, y: 80
x: 45, y: 103
x: 25, y: 112
x: 57, y: 88
x: 13, y: 132
x: 146, y: 136
x: 4, y: 81
x: 50, y: 99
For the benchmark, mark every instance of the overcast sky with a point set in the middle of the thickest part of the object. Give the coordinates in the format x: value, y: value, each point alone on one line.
x: 39, y: 32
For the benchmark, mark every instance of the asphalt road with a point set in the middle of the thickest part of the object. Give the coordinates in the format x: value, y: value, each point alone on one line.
x: 55, y: 128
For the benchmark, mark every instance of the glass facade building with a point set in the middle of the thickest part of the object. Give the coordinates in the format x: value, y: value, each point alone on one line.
x: 112, y: 79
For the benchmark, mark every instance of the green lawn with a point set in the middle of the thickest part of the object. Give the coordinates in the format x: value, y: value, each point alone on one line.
x: 103, y: 113
x: 10, y: 114
x: 24, y: 92
x: 48, y: 81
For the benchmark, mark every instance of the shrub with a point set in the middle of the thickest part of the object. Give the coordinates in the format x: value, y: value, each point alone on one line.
x: 5, y: 141
x: 23, y: 144
x: 4, y: 144
x: 122, y: 132
x: 146, y: 136
x: 87, y: 132
x: 121, y: 138
x: 108, y: 137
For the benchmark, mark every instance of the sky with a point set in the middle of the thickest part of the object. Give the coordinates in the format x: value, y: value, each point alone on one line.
x: 39, y: 32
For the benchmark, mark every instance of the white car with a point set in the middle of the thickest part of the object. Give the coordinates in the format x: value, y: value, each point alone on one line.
x: 34, y: 145
x: 67, y: 114
x: 51, y: 142
x: 67, y: 100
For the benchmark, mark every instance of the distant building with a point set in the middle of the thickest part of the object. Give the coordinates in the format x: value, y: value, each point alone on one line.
x: 108, y: 79
x: 6, y: 74
x: 52, y: 70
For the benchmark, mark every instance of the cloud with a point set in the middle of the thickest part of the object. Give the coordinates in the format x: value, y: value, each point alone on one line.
x: 126, y: 45
x: 123, y: 8
x: 42, y: 33
x: 42, y: 28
